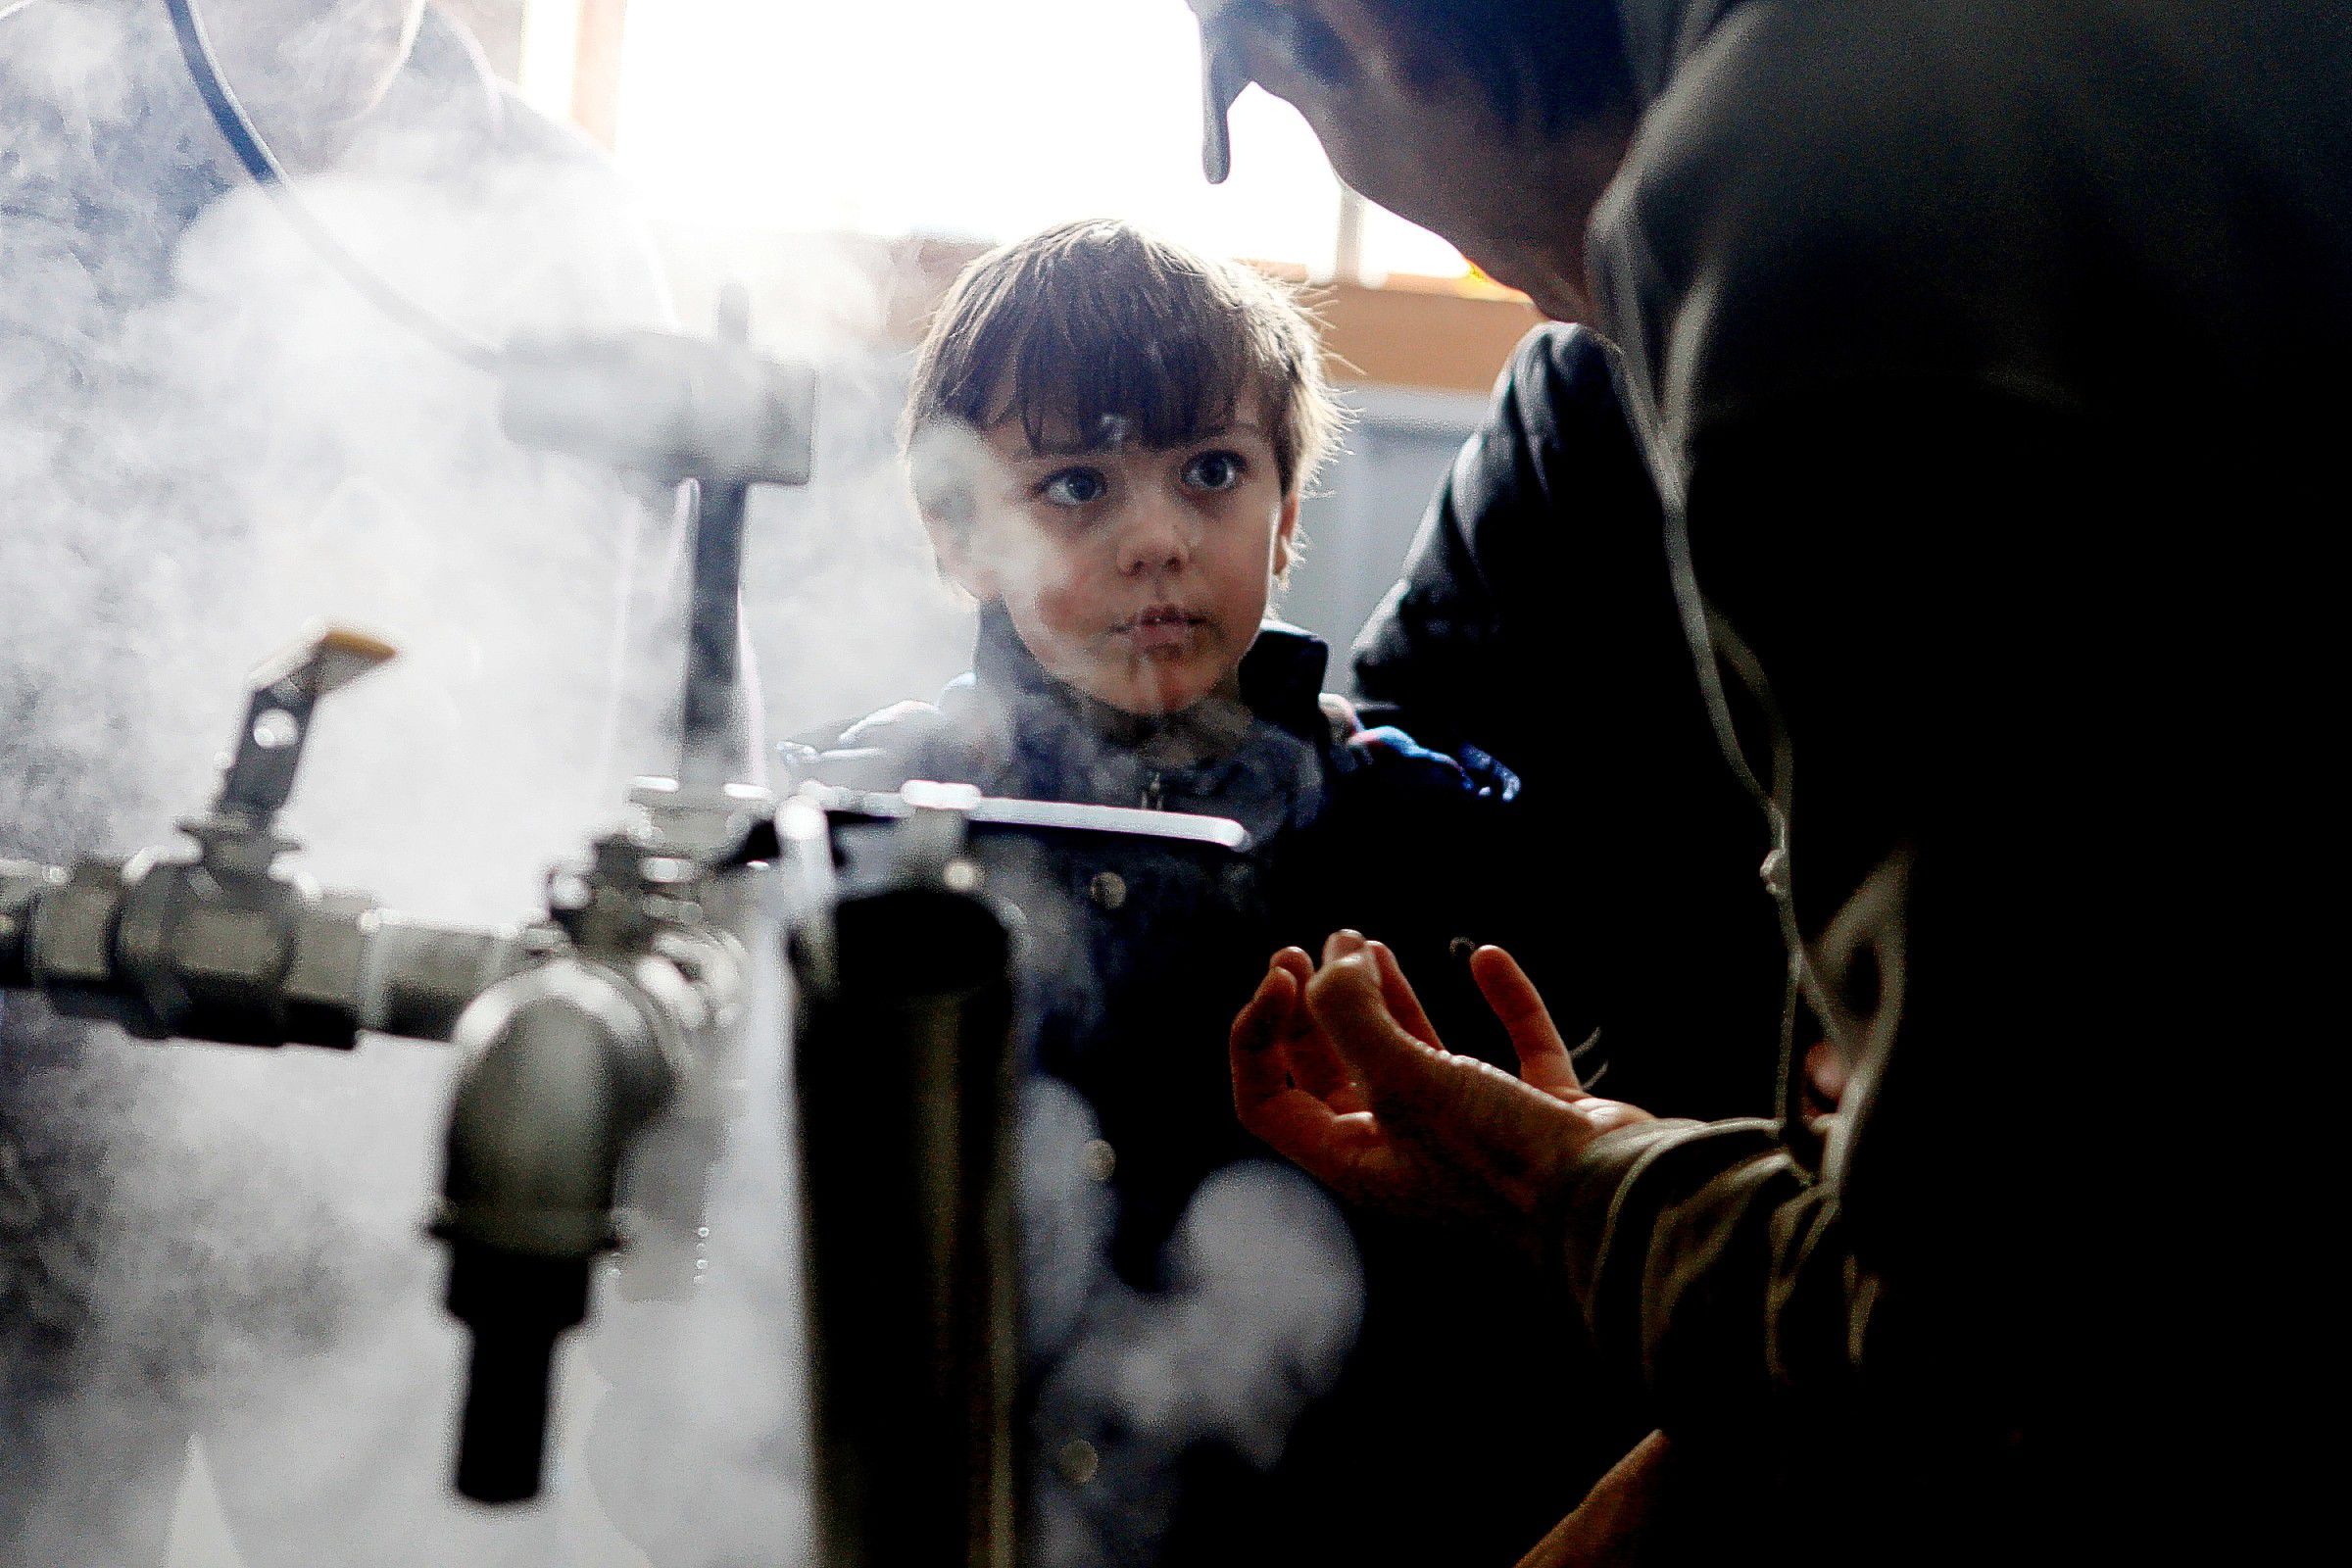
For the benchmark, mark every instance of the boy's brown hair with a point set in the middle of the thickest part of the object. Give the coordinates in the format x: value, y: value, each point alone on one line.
x: 1098, y: 327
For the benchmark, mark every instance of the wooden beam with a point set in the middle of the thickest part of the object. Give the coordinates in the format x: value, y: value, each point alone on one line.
x: 497, y: 25
x: 596, y: 77
x: 1412, y: 332
x: 1431, y: 336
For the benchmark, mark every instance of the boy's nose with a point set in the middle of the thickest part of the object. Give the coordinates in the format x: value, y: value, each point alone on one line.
x: 1157, y: 538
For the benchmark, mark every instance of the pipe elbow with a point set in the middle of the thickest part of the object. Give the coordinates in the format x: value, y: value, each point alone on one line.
x: 566, y: 1062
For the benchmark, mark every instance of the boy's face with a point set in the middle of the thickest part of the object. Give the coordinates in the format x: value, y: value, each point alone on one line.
x: 1136, y: 574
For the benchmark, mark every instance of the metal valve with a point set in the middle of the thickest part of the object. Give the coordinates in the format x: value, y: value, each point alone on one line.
x: 286, y: 691
x: 221, y: 944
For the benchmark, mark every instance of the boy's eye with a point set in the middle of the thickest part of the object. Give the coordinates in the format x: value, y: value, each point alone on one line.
x: 1073, y: 488
x: 1214, y: 470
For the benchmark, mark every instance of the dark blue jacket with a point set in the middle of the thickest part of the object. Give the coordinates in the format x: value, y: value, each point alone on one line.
x: 1232, y: 1277
x: 1535, y: 619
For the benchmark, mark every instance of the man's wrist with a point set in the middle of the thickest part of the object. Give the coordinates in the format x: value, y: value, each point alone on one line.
x: 1575, y: 1221
x: 1602, y: 1215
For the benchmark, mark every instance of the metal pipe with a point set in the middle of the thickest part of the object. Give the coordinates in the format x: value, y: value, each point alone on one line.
x: 905, y: 1077
x: 713, y: 745
x: 21, y: 882
x: 604, y: 1059
x: 186, y: 949
x: 567, y: 1061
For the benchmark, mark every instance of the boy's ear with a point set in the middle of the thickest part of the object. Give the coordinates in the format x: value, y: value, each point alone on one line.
x: 948, y: 463
x: 959, y: 563
x: 1286, y: 532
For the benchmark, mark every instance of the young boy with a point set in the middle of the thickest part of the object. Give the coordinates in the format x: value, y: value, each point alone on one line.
x: 1109, y: 438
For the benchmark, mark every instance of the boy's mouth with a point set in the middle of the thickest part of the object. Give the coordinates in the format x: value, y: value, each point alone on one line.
x: 1160, y: 627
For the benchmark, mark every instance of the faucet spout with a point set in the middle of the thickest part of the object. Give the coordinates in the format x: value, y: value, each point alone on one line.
x: 568, y: 1061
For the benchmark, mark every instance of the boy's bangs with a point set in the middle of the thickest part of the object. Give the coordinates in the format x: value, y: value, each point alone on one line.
x: 1096, y: 336
x: 1102, y: 373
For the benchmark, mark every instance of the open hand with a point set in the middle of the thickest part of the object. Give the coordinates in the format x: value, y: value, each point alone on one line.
x: 1339, y: 1069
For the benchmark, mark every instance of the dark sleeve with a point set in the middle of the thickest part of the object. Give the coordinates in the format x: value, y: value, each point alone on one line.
x: 1974, y: 670
x: 1456, y: 651
x: 880, y: 752
x: 1972, y: 819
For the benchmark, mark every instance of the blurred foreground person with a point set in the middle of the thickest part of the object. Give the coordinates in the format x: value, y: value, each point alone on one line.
x: 1987, y: 361
x: 206, y: 438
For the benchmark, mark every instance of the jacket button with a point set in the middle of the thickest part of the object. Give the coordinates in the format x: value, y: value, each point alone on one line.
x: 1077, y: 1461
x: 1099, y: 1160
x: 1108, y: 890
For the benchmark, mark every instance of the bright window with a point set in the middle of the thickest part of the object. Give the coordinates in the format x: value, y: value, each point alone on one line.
x: 950, y: 118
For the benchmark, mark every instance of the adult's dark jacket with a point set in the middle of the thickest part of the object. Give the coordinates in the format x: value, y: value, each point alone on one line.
x: 1137, y: 957
x: 1989, y: 359
x: 1536, y: 620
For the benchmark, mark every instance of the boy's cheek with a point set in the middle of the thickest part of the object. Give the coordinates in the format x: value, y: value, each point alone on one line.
x: 1012, y: 556
x: 1041, y: 576
x: 1066, y: 610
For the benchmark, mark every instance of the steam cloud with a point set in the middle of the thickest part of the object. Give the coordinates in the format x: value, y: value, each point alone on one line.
x: 206, y: 441
x: 1262, y: 1306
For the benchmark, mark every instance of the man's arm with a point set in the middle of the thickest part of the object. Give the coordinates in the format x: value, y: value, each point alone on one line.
x: 1892, y: 523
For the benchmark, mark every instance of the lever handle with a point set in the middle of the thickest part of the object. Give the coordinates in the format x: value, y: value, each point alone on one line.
x: 286, y: 690
x: 669, y: 407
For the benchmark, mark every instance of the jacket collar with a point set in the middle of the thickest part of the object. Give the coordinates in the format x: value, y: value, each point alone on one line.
x: 1282, y: 676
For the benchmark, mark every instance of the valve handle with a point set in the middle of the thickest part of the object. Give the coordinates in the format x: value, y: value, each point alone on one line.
x: 286, y: 689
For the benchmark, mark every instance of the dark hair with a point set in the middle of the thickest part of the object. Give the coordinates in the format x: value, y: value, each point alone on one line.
x: 1098, y: 327
x: 1562, y: 61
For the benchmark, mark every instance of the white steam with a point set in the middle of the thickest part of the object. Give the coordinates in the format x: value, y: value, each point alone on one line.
x: 1262, y: 1299
x: 207, y: 440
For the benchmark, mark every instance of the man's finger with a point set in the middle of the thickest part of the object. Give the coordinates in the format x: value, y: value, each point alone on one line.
x: 1346, y: 1001
x: 1260, y: 1070
x: 1318, y: 1069
x: 1544, y: 1060
x: 1306, y: 1053
x: 1343, y: 944
x: 1398, y: 992
x: 1621, y: 1506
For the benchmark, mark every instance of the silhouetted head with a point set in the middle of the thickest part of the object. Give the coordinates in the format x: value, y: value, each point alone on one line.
x: 1494, y: 122
x: 310, y: 71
